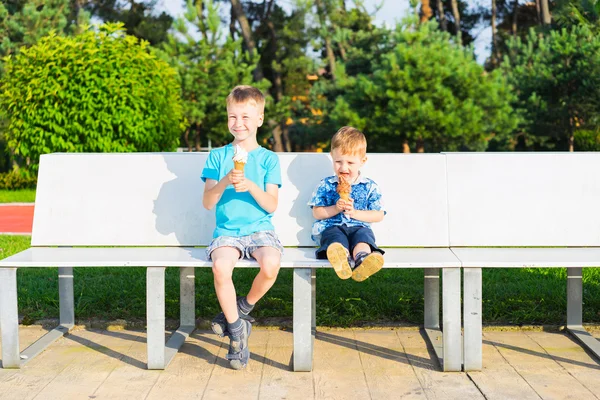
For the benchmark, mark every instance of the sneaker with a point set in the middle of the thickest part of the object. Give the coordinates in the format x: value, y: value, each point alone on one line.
x: 340, y: 260
x: 239, y: 354
x: 219, y: 323
x: 367, y: 266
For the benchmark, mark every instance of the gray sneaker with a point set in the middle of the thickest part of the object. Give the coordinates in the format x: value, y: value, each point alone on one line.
x: 219, y: 323
x: 239, y: 354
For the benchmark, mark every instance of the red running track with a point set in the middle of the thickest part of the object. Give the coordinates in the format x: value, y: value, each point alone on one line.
x: 16, y: 219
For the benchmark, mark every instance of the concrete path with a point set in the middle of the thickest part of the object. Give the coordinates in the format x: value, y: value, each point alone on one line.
x: 348, y: 364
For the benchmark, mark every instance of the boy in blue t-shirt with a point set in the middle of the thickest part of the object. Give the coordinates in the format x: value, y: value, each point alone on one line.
x: 242, y: 181
x: 343, y: 217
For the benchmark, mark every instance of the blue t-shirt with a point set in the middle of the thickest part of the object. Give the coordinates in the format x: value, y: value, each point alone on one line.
x: 365, y: 193
x: 238, y: 214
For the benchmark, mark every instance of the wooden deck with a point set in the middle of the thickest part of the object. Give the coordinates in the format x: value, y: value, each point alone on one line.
x: 349, y: 364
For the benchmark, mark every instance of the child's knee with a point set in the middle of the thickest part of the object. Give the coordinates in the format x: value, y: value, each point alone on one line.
x: 270, y: 267
x: 222, y: 270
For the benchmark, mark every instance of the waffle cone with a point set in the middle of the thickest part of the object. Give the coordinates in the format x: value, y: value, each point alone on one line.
x: 239, y: 165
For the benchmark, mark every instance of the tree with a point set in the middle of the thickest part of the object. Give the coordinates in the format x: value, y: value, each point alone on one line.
x: 138, y: 17
x: 208, y: 69
x: 557, y: 78
x: 101, y: 91
x: 427, y: 91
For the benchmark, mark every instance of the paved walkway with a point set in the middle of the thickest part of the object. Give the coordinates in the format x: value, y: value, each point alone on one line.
x: 348, y: 364
x: 16, y: 219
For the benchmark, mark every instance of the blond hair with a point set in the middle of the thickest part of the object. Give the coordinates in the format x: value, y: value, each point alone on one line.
x: 246, y: 94
x: 349, y: 140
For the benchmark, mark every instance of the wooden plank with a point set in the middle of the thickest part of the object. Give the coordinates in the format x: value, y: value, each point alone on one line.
x: 338, y: 372
x: 498, y: 379
x: 278, y: 380
x: 96, y: 355
x: 226, y: 383
x: 546, y: 376
x: 386, y: 367
x: 129, y: 379
x: 571, y: 356
x: 41, y: 372
x: 435, y: 383
x: 27, y: 336
x: 190, y: 371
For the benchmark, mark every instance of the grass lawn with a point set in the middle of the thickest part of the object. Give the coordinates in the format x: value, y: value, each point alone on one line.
x: 17, y: 196
x: 511, y: 296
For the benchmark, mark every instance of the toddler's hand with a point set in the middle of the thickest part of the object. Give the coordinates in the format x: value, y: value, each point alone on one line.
x: 349, y: 210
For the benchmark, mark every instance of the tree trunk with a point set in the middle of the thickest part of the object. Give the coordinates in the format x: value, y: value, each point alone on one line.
x: 426, y: 11
x: 442, y: 15
x: 186, y: 139
x: 328, y: 47
x: 241, y: 18
x: 538, y: 9
x: 545, y: 10
x: 420, y: 146
x: 277, y: 136
x: 515, y: 18
x: 494, y: 35
x: 456, y: 15
x: 405, y: 147
x: 197, y: 138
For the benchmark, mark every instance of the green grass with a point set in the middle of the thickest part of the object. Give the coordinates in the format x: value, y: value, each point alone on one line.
x: 17, y: 196
x: 511, y: 296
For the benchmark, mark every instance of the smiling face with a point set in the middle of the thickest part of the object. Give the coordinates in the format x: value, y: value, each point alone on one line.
x: 243, y: 120
x: 347, y: 165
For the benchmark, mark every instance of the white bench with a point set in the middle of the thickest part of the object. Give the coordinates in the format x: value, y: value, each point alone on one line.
x: 155, y: 201
x: 513, y: 200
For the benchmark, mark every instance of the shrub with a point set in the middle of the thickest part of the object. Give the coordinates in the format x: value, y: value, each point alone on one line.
x: 100, y: 91
x: 17, y: 179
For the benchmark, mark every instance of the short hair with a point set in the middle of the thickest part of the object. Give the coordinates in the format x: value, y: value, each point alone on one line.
x: 349, y: 140
x: 246, y: 94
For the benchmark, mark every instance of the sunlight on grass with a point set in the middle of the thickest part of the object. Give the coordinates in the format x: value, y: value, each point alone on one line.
x: 17, y: 196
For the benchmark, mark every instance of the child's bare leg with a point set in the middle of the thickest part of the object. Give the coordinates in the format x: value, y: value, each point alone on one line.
x: 269, y: 260
x: 224, y: 260
x: 361, y: 248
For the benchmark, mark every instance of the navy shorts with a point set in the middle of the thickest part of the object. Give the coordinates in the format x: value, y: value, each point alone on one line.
x: 348, y: 236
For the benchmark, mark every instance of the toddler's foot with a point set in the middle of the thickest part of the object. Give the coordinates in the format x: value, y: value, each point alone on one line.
x: 339, y: 258
x: 367, y: 265
x: 239, y: 353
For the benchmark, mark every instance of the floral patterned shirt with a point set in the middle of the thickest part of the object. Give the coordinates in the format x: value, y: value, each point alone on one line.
x: 366, y: 196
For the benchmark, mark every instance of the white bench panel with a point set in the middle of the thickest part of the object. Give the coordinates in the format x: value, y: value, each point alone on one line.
x: 121, y: 199
x: 524, y: 199
x: 196, y: 257
x: 528, y: 257
x: 413, y: 188
x: 143, y: 199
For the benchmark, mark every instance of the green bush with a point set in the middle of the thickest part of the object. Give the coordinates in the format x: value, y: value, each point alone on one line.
x: 100, y: 91
x: 17, y: 179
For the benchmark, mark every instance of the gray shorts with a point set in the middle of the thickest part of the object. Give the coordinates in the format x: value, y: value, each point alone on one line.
x: 246, y: 244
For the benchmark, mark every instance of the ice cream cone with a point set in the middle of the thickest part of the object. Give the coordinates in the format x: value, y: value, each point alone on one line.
x: 239, y: 165
x: 344, y: 188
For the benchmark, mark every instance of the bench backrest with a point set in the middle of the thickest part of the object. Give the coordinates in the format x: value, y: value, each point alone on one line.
x: 524, y: 199
x: 155, y: 199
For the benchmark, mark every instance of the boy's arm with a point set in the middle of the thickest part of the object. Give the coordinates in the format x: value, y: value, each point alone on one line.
x: 329, y: 211
x: 213, y: 190
x: 366, y: 215
x: 268, y: 199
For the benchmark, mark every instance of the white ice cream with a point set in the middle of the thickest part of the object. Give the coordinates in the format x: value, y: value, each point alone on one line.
x: 240, y: 155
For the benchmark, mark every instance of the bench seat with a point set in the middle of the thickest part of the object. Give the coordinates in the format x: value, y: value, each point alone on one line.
x: 196, y: 257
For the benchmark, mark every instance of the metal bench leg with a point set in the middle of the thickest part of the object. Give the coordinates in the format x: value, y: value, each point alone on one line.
x: 155, y: 315
x: 9, y: 318
x: 65, y: 294
x: 431, y: 294
x: 452, y: 354
x: 575, y: 312
x: 187, y: 313
x: 472, y: 346
x: 303, y: 318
